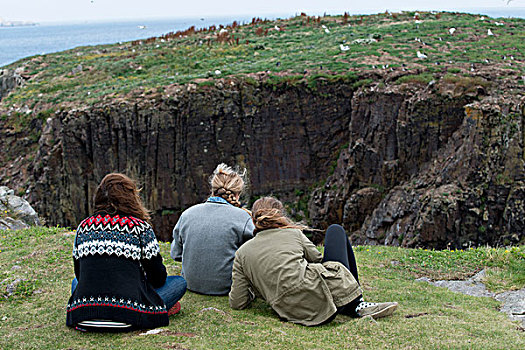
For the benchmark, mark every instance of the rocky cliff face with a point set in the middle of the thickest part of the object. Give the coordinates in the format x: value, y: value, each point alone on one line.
x: 171, y: 144
x: 431, y: 166
x: 428, y: 169
x: 9, y: 80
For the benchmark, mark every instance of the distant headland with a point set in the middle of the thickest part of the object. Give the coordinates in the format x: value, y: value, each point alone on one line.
x: 5, y: 23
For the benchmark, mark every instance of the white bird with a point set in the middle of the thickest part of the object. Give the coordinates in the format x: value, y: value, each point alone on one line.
x: 344, y: 47
x: 217, y: 72
x: 327, y: 31
x: 451, y: 31
x: 277, y: 28
x: 499, y: 23
x: 489, y: 32
x: 142, y: 27
x: 421, y: 55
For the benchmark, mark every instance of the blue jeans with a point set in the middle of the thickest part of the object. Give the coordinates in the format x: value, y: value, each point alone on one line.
x: 170, y: 292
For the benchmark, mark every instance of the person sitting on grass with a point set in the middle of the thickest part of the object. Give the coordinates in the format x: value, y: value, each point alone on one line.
x: 284, y: 268
x: 207, y: 235
x: 120, y: 281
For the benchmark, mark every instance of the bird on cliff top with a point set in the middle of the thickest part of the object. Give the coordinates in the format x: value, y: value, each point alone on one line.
x: 451, y: 31
x: 489, y: 32
x: 421, y: 55
x: 344, y: 47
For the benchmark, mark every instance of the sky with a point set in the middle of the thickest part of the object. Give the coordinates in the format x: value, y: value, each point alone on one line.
x: 100, y: 10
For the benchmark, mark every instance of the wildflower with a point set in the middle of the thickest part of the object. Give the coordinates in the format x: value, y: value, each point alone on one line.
x: 368, y: 250
x: 506, y: 250
x: 378, y: 252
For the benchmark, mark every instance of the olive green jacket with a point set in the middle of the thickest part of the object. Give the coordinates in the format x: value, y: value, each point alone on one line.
x: 284, y: 268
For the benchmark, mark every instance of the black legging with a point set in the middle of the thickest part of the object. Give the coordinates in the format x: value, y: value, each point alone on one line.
x: 337, y: 247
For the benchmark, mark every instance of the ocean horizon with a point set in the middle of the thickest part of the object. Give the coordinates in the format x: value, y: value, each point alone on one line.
x: 25, y: 41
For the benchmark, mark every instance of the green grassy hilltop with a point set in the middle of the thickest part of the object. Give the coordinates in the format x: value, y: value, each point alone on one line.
x: 38, y: 263
x: 288, y: 50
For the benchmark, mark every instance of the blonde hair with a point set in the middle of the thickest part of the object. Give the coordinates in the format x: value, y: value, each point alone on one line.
x: 268, y: 212
x: 228, y: 183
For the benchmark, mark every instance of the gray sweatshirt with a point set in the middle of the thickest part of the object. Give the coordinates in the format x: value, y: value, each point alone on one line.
x: 206, y: 238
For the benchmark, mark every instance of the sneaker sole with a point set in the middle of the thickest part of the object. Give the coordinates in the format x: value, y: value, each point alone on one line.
x: 175, y: 309
x: 384, y: 312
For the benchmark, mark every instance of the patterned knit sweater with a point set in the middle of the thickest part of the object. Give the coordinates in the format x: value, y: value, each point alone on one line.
x: 117, y: 264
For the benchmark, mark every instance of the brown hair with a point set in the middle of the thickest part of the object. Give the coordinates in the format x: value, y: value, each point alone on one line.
x: 117, y: 193
x: 268, y: 212
x: 228, y: 183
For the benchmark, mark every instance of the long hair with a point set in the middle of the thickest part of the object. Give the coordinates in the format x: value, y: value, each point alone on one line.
x: 228, y: 183
x: 117, y: 193
x: 268, y: 213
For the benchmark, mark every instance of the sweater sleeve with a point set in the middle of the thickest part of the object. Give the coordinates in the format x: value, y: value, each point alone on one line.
x: 240, y: 294
x: 76, y: 266
x: 311, y: 254
x: 176, y: 244
x: 151, y: 259
x: 155, y: 271
x: 247, y: 232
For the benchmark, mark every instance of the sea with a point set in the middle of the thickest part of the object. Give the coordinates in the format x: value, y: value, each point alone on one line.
x: 24, y: 41
x: 20, y: 42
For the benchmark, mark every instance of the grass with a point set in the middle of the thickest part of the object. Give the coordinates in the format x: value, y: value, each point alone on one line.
x: 428, y: 317
x: 299, y: 50
x: 423, y: 78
